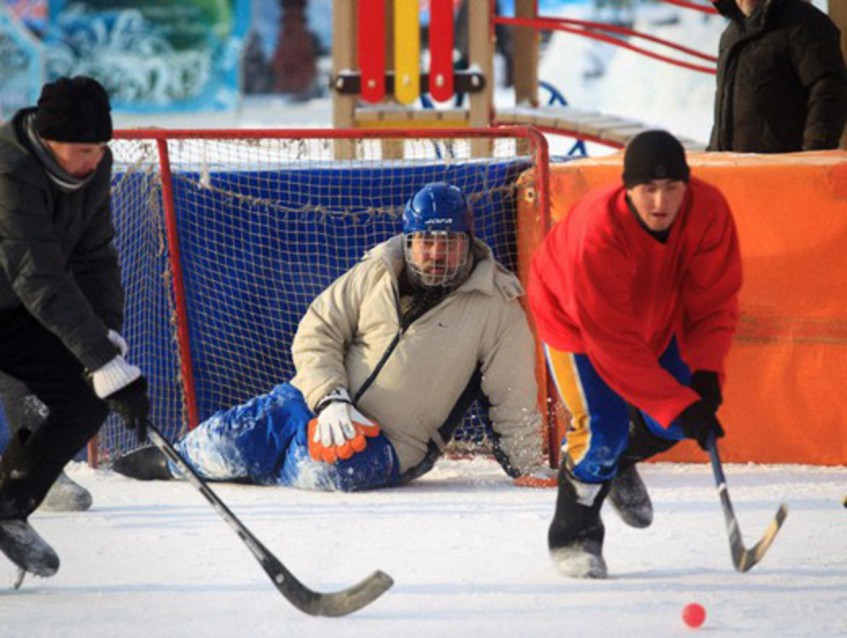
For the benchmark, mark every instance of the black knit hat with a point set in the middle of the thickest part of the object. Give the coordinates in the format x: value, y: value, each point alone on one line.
x: 74, y: 110
x: 654, y: 155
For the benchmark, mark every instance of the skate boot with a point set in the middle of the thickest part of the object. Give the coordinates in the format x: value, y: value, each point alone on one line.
x: 23, y: 546
x: 66, y: 495
x: 575, y: 537
x: 145, y: 464
x: 628, y: 495
x: 22, y: 487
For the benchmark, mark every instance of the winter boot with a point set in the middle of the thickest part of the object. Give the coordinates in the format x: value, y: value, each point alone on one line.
x: 24, y: 547
x: 575, y: 537
x: 145, y: 464
x: 628, y: 495
x: 22, y: 487
x: 66, y: 495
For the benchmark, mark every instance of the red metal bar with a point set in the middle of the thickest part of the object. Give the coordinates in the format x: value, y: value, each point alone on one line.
x: 692, y: 5
x: 520, y: 132
x: 556, y: 25
x: 371, y: 48
x: 183, y: 334
x: 441, y: 49
x: 611, y: 28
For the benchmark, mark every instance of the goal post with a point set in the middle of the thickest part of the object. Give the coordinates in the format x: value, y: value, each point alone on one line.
x: 226, y: 236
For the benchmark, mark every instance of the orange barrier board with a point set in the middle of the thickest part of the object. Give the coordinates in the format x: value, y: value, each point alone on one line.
x: 786, y: 389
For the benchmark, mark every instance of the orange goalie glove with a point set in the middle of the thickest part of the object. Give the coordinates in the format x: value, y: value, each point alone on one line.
x: 340, y: 430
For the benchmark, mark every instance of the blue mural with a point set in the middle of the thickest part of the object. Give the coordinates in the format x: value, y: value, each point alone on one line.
x: 175, y: 55
x: 21, y: 64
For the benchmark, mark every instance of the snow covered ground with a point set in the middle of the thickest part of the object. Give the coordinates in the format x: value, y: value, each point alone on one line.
x: 467, y: 551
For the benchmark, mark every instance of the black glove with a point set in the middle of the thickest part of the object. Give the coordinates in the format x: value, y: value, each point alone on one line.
x: 132, y: 405
x: 698, y: 421
x: 706, y: 384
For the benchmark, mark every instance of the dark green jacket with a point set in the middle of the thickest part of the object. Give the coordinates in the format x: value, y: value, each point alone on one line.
x: 781, y: 85
x: 57, y: 256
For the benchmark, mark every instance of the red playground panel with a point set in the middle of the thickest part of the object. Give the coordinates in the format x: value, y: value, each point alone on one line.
x: 371, y: 45
x: 441, y: 50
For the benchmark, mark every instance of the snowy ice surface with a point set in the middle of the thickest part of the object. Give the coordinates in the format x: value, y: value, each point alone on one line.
x: 467, y: 551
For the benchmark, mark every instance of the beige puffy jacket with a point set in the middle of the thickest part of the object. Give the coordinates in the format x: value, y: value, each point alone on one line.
x: 350, y: 326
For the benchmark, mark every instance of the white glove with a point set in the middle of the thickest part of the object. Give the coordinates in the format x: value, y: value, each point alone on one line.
x: 335, y: 424
x: 118, y: 341
x: 340, y: 429
x: 113, y: 376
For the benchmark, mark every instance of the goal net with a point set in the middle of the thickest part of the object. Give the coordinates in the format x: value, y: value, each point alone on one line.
x: 226, y: 237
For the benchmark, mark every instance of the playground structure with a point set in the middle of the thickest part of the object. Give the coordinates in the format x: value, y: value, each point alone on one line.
x: 377, y: 74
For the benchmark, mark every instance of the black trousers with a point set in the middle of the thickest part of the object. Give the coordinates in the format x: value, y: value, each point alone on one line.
x: 21, y: 407
x: 34, y: 355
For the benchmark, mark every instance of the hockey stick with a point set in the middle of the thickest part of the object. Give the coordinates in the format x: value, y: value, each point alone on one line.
x: 742, y: 558
x: 310, y: 602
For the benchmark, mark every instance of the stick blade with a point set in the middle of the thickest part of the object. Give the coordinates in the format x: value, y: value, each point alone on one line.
x: 338, y: 603
x: 745, y: 560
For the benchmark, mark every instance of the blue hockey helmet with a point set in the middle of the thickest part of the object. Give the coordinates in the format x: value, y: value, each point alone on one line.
x: 438, y: 206
x: 438, y: 225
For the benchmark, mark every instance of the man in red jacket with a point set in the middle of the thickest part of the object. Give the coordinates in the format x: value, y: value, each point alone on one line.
x: 635, y: 296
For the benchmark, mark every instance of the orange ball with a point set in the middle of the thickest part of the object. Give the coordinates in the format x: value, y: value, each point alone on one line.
x: 693, y: 614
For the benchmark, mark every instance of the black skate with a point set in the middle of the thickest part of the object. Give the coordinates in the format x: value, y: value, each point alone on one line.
x: 145, y: 464
x: 24, y: 547
x: 628, y: 495
x: 575, y: 537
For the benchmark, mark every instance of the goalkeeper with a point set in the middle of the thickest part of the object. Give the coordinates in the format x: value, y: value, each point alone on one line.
x: 388, y: 358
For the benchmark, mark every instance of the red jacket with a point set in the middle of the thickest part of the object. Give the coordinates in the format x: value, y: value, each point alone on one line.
x: 601, y: 285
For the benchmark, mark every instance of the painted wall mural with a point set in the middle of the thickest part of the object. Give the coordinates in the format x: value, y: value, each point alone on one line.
x: 151, y: 55
x: 159, y: 54
x: 21, y: 64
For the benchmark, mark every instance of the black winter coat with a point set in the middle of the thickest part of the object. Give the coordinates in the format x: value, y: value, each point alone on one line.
x: 781, y: 84
x: 57, y: 256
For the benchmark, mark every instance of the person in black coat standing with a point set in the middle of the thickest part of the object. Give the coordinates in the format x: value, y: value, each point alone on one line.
x: 781, y: 82
x: 61, y: 300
